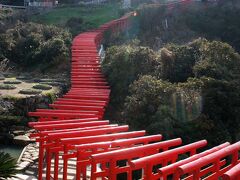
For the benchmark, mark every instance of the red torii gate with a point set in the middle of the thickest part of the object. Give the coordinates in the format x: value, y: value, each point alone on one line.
x: 74, y: 128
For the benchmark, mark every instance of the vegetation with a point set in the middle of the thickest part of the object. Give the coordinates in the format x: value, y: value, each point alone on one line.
x: 185, y: 23
x: 124, y: 64
x: 178, y: 89
x: 7, y: 166
x: 29, y: 44
x: 192, y: 90
x: 161, y: 83
x: 7, y: 86
x: 12, y: 82
x: 79, y: 18
x: 42, y: 87
x: 23, y: 77
x: 52, y: 83
x: 30, y: 91
x: 50, y: 80
x: 96, y: 15
x: 43, y: 41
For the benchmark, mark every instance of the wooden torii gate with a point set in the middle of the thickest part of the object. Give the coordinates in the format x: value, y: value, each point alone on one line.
x: 74, y: 128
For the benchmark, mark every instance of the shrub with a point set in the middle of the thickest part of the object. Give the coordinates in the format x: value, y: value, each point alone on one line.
x: 12, y: 82
x: 42, y: 87
x: 177, y: 62
x: 30, y: 91
x: 45, y: 80
x: 222, y: 104
x: 9, y: 75
x: 218, y: 60
x: 189, y: 87
x: 50, y: 80
x: 7, y: 86
x: 77, y: 25
x: 29, y: 44
x: 149, y: 100
x: 52, y: 83
x: 124, y: 64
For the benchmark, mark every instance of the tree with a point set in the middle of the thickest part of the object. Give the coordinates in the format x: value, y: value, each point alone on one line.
x: 191, y: 88
x: 149, y: 103
x: 124, y: 64
x: 30, y: 44
x: 218, y: 60
x: 177, y: 62
x: 222, y: 104
x: 77, y: 25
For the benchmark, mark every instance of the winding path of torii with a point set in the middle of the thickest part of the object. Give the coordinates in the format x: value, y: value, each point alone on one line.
x: 74, y: 130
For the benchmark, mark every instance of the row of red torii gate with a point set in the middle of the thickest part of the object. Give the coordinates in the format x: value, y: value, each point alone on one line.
x: 74, y: 130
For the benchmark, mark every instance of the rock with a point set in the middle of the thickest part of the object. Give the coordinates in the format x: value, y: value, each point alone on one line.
x: 10, y: 136
x: 31, y: 131
x: 26, y: 153
x: 35, y: 153
x: 32, y: 150
x: 27, y: 159
x: 18, y: 132
x: 34, y: 158
x: 21, y: 140
x: 23, y: 165
x: 27, y: 156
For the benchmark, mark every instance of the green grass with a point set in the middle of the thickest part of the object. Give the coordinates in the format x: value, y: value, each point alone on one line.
x: 94, y: 15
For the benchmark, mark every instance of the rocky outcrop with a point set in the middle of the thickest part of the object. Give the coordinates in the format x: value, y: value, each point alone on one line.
x: 22, y: 140
x: 28, y: 156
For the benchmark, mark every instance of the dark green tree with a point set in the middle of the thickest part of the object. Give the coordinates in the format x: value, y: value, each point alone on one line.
x: 124, y: 64
x: 177, y: 62
x: 149, y: 103
x: 30, y: 44
x: 221, y: 103
x: 218, y: 60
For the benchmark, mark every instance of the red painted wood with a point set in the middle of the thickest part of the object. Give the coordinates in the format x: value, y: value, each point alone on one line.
x: 233, y: 173
x: 198, y: 168
x: 127, y: 154
x: 147, y: 163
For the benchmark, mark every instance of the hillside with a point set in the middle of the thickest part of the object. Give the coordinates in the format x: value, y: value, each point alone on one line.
x: 181, y: 78
x: 159, y: 25
x: 35, y: 56
x: 78, y: 18
x: 96, y: 15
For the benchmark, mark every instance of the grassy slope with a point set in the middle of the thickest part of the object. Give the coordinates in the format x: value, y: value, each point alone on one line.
x: 95, y: 15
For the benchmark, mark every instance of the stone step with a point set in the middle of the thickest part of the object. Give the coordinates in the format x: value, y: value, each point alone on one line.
x: 22, y: 177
